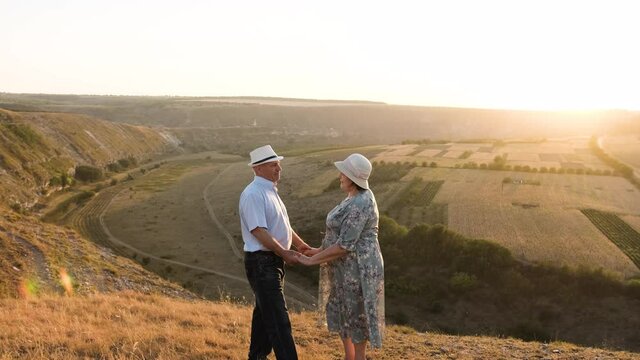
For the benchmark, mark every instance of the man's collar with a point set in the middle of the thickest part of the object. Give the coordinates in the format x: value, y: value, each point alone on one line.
x: 265, y: 182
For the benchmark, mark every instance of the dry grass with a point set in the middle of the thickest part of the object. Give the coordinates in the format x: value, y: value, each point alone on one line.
x: 129, y: 325
x: 39, y: 258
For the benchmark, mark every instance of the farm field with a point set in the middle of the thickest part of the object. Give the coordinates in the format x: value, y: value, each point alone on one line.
x: 567, y: 153
x: 633, y: 221
x: 536, y: 222
x: 619, y: 232
x: 624, y: 148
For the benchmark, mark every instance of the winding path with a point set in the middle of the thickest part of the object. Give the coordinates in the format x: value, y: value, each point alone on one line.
x: 215, y: 219
x: 104, y: 200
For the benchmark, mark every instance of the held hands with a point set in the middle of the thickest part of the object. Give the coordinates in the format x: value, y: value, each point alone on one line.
x: 292, y: 257
x: 307, y: 253
x: 310, y: 251
x: 305, y: 260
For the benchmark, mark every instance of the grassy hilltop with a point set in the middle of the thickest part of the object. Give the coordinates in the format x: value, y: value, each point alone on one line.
x: 129, y: 325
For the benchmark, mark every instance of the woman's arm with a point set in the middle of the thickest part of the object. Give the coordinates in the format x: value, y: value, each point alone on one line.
x: 331, y: 253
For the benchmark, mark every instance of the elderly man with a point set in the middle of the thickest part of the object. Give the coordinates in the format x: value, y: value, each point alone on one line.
x: 267, y: 237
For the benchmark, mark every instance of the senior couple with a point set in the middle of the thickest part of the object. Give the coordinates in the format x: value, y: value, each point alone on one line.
x: 352, y: 273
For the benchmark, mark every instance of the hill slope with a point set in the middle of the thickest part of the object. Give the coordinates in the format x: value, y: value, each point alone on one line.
x: 35, y: 146
x: 39, y: 259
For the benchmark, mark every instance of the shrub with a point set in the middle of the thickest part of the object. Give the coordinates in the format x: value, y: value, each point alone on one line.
x: 55, y: 181
x: 88, y: 173
x: 484, y: 258
x: 25, y: 133
x: 128, y: 162
x: 462, y: 282
x: 62, y: 180
x: 633, y: 288
x: 114, y: 167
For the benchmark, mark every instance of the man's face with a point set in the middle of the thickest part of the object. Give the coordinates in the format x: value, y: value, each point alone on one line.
x: 270, y: 171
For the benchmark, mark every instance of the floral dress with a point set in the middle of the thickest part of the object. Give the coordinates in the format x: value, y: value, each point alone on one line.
x: 352, y: 286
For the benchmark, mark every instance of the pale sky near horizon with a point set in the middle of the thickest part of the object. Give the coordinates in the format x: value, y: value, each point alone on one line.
x: 541, y: 54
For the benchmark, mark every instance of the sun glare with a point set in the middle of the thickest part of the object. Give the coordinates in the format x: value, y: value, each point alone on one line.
x: 28, y: 288
x: 66, y: 282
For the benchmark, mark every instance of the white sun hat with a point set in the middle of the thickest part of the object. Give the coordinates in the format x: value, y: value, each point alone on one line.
x: 262, y: 155
x: 357, y: 168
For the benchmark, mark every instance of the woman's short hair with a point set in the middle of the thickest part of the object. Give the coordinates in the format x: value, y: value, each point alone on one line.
x: 360, y: 188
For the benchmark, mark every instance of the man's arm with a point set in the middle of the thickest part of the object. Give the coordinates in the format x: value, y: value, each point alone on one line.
x: 265, y: 238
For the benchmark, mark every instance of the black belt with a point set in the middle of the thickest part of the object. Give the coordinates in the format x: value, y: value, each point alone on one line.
x: 259, y: 253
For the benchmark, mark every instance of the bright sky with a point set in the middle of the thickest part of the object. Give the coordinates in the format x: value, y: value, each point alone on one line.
x: 539, y: 54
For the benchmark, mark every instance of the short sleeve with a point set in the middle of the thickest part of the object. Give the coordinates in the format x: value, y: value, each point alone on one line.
x: 352, y: 227
x: 252, y: 211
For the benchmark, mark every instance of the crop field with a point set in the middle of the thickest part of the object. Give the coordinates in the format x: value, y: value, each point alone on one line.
x: 535, y: 215
x: 536, y: 222
x: 625, y: 149
x: 619, y: 232
x: 413, y: 204
x: 633, y: 221
x: 567, y: 153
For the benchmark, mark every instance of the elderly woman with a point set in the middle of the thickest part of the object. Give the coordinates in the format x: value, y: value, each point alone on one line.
x: 352, y: 281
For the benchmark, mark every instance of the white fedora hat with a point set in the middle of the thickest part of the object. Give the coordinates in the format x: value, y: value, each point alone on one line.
x: 263, y: 154
x: 357, y: 168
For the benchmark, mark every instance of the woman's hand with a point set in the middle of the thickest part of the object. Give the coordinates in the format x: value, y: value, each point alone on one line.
x: 311, y: 251
x: 305, y: 260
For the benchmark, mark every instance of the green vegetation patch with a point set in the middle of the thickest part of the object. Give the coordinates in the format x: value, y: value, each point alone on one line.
x: 413, y: 205
x: 417, y: 193
x: 78, y: 199
x: 25, y: 133
x: 619, y: 232
x: 387, y: 171
x: 160, y: 181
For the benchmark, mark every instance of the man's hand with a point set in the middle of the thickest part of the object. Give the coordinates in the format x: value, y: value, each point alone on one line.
x: 303, y: 247
x: 310, y: 251
x: 304, y: 260
x: 291, y: 257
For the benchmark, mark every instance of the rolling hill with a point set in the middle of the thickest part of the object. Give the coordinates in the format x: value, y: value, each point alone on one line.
x: 35, y: 147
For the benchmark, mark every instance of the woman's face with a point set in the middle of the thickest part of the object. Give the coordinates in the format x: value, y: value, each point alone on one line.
x: 345, y: 183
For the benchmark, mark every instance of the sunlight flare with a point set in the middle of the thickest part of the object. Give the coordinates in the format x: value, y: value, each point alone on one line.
x: 28, y: 288
x: 66, y: 281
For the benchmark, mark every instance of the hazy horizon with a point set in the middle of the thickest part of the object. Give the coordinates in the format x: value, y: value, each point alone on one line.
x: 530, y: 55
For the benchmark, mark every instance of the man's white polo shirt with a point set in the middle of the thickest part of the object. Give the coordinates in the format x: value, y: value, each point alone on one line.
x: 260, y: 206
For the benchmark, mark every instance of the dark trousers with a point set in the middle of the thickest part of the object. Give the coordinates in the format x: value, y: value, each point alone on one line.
x: 270, y: 325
